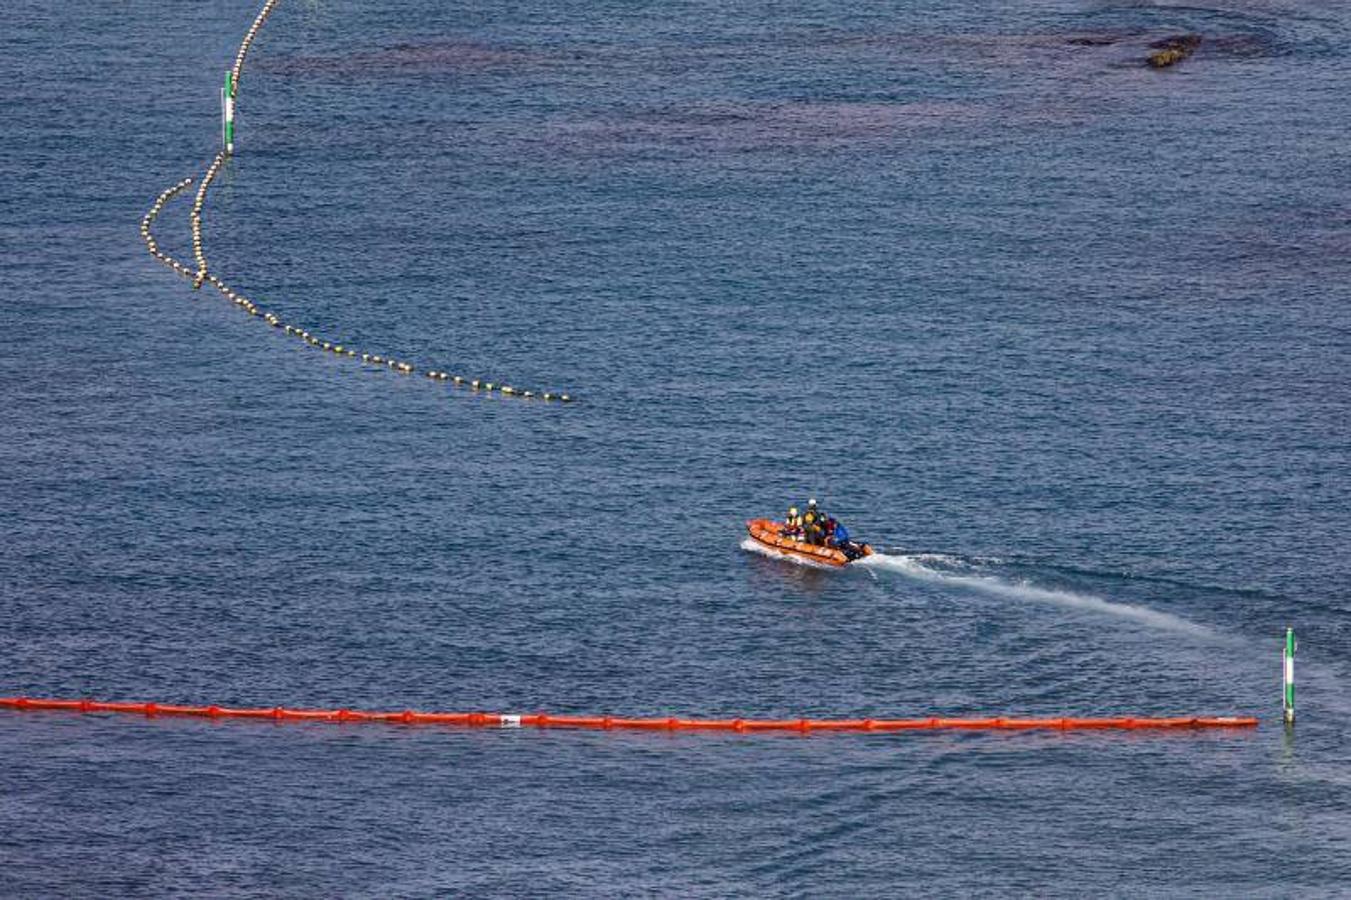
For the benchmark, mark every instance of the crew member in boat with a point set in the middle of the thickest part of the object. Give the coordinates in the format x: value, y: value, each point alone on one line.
x: 813, y: 523
x: 839, y: 539
x: 792, y: 525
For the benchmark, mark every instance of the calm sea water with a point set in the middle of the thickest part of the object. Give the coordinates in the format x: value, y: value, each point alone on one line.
x: 1065, y: 337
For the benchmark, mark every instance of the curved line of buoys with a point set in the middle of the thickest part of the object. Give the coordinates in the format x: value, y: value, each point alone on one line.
x: 202, y: 274
x: 237, y: 70
x: 661, y: 723
x: 200, y: 200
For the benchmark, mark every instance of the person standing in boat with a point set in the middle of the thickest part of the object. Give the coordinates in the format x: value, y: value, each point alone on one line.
x: 813, y: 523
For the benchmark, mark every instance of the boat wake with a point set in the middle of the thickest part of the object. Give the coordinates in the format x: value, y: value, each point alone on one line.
x: 955, y: 572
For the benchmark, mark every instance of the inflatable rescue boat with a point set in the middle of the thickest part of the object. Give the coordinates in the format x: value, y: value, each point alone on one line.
x: 770, y: 537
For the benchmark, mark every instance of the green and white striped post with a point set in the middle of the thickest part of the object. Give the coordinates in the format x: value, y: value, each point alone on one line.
x: 227, y: 112
x: 1288, y: 673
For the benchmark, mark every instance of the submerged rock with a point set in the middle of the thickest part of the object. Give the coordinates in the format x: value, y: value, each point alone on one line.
x: 1172, y: 50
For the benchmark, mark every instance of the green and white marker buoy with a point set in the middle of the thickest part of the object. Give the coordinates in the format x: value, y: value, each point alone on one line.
x: 227, y: 113
x: 1288, y: 673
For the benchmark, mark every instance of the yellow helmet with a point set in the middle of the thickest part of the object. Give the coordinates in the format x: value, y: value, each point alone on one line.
x: 792, y: 510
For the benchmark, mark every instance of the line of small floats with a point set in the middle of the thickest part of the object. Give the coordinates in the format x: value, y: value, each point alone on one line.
x: 202, y: 273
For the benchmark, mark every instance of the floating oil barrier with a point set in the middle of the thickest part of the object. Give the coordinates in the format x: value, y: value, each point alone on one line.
x: 606, y: 723
x: 202, y: 274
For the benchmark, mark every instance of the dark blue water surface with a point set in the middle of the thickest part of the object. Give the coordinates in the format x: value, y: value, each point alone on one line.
x: 1066, y: 337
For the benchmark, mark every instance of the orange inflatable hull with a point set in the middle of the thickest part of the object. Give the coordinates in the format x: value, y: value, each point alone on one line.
x: 769, y: 534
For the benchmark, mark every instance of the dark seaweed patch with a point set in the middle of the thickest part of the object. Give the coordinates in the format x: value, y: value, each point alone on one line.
x: 407, y: 58
x: 1094, y: 40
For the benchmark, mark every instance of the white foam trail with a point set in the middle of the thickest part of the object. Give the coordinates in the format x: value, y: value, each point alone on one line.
x: 934, y: 557
x: 914, y: 567
x: 757, y: 547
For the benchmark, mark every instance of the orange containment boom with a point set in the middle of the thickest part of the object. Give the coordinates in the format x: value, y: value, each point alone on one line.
x: 543, y: 720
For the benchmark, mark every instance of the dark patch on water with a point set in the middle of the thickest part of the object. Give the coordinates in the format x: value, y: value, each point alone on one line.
x: 1250, y: 31
x: 1095, y: 40
x: 767, y: 127
x: 421, y: 58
